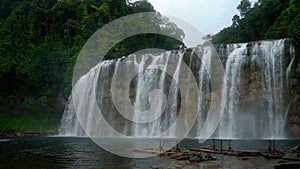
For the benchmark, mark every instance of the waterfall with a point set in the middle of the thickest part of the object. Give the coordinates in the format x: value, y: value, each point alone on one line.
x: 231, y: 93
x: 70, y: 125
x: 255, y: 93
x: 147, y: 80
x: 205, y: 54
x: 275, y: 86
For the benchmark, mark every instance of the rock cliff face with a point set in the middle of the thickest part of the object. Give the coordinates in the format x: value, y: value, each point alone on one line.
x: 260, y: 93
x: 283, y: 76
x: 294, y: 116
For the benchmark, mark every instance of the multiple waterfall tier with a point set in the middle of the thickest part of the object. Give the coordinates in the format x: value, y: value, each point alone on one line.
x: 255, y: 94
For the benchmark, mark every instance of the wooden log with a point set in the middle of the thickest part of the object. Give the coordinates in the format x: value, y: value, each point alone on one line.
x: 230, y: 153
x: 151, y: 151
x: 165, y: 153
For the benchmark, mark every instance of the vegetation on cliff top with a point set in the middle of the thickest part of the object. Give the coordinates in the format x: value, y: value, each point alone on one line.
x: 266, y: 19
x: 39, y: 44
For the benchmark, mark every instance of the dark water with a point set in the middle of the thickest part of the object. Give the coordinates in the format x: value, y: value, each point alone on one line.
x: 58, y: 152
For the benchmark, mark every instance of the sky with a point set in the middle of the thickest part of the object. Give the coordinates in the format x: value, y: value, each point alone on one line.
x: 208, y: 16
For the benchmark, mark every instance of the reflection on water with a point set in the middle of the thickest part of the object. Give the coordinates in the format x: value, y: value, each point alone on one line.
x: 57, y: 152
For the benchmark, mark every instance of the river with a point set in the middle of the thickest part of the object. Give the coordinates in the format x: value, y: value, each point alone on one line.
x: 75, y: 152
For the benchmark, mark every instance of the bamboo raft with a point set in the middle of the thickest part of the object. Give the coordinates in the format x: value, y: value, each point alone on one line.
x: 190, y: 153
x: 271, y: 153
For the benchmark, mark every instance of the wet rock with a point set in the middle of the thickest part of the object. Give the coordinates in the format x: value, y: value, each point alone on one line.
x: 172, y: 157
x: 281, y: 161
x: 295, y: 82
x: 19, y: 134
x: 246, y: 158
x: 208, y: 156
x: 199, y: 155
x: 288, y: 166
x: 183, y: 158
x: 196, y: 159
x: 177, y: 166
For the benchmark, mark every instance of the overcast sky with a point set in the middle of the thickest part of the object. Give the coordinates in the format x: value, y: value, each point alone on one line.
x: 209, y: 16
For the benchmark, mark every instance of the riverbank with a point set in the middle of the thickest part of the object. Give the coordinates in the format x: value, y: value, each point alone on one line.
x: 217, y: 158
x: 223, y: 161
x: 26, y: 133
x: 28, y: 125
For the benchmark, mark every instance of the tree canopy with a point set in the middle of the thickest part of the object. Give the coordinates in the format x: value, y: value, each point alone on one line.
x: 40, y: 41
x: 266, y: 19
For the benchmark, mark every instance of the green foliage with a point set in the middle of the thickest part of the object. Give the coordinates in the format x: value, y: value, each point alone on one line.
x: 254, y: 23
x: 288, y: 23
x: 22, y: 123
x: 244, y: 7
x: 39, y: 44
x: 143, y: 41
x: 140, y: 6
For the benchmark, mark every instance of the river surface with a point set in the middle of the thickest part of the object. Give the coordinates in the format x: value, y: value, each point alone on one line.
x: 66, y: 152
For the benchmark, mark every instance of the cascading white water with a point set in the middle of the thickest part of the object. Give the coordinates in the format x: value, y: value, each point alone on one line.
x: 174, y: 98
x: 147, y: 80
x: 273, y: 62
x: 70, y: 126
x: 259, y: 111
x: 230, y: 91
x: 138, y: 98
x: 204, y: 87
